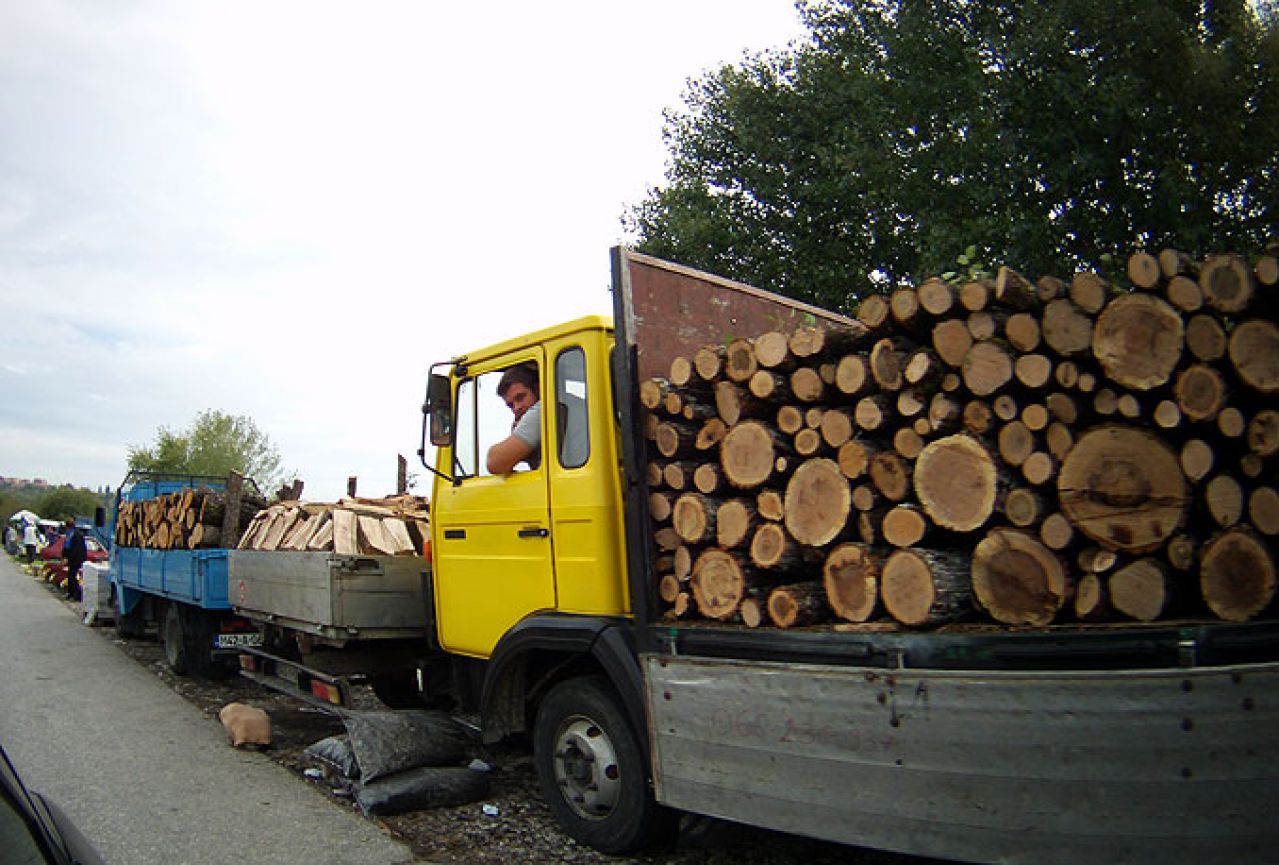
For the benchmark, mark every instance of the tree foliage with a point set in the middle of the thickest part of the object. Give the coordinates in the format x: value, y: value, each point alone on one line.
x: 54, y: 503
x: 1048, y: 133
x: 215, y: 444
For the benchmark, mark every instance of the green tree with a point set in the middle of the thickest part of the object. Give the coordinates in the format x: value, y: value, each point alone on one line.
x: 215, y: 444
x: 61, y: 503
x: 1048, y: 133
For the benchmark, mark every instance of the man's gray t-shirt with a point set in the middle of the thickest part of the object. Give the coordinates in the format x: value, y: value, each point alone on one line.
x: 528, y: 429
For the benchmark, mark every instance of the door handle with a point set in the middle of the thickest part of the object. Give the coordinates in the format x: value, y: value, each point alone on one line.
x: 534, y: 533
x: 454, y: 534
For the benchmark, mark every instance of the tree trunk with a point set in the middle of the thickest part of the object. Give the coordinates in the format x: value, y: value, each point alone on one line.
x: 1254, y: 352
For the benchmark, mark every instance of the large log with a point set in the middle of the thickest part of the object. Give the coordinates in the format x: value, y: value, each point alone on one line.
x: 1254, y: 352
x: 1018, y: 580
x: 926, y: 587
x: 693, y: 518
x: 956, y: 482
x: 718, y: 583
x: 1124, y: 488
x: 748, y: 453
x: 1227, y: 283
x: 1138, y: 340
x: 851, y: 578
x: 1237, y: 575
x: 1066, y: 328
x: 818, y: 501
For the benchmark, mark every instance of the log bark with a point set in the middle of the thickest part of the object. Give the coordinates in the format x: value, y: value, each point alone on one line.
x: 850, y: 576
x: 1018, y: 580
x: 926, y: 587
x: 797, y: 605
x: 1124, y: 488
x: 1237, y: 575
x: 817, y: 502
x: 956, y: 482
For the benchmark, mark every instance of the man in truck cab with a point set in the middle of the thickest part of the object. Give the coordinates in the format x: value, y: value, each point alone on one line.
x: 518, y: 388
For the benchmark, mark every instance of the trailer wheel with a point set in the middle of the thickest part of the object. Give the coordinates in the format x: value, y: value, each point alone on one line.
x: 131, y: 625
x: 592, y: 771
x: 187, y: 639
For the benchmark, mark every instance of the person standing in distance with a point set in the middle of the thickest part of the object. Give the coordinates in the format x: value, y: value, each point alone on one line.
x: 75, y: 551
x: 519, y: 389
x: 30, y: 540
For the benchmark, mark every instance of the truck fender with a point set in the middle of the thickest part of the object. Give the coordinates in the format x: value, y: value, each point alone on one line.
x: 128, y: 598
x: 536, y: 653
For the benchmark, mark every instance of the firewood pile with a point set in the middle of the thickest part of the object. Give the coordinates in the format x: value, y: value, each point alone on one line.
x: 392, y: 526
x: 1028, y: 452
x: 191, y: 518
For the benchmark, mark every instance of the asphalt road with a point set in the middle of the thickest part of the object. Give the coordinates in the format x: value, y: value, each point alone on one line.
x: 143, y: 773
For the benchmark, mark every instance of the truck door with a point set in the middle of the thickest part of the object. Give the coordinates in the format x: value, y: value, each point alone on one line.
x: 492, y: 559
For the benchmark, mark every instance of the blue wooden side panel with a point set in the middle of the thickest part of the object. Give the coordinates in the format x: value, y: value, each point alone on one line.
x: 196, y: 577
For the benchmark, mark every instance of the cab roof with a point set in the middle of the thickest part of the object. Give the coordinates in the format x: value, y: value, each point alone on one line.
x: 537, y: 337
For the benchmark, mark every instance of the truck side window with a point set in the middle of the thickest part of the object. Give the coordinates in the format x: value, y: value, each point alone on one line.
x: 570, y: 408
x: 465, y: 440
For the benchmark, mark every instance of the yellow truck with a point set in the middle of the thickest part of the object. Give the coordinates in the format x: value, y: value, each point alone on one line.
x: 541, y: 616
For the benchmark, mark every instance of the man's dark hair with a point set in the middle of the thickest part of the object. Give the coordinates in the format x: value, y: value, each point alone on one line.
x: 525, y: 374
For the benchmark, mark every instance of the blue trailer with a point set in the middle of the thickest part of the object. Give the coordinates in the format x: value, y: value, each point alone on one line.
x: 180, y: 593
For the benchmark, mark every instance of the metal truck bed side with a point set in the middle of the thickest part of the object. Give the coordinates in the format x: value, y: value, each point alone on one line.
x: 337, y: 597
x: 1149, y: 766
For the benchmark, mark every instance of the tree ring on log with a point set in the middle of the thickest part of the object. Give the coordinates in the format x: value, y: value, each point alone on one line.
x: 1017, y: 579
x: 1254, y: 352
x: 1124, y: 488
x: 746, y: 454
x: 1237, y: 575
x: 718, y: 583
x: 1139, y: 340
x: 956, y: 483
x: 818, y: 500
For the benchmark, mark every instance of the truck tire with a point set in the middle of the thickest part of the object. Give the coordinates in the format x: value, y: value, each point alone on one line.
x: 131, y: 625
x: 592, y: 771
x: 187, y: 639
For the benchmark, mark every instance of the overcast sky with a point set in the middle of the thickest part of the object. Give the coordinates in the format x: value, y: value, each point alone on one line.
x: 288, y: 210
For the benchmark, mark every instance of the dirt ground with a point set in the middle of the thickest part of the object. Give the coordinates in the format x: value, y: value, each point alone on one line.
x: 522, y: 830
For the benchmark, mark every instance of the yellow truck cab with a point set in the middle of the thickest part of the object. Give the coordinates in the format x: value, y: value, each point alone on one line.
x: 542, y: 538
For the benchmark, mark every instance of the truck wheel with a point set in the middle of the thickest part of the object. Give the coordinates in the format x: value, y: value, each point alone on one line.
x: 128, y: 626
x: 592, y: 771
x: 173, y: 633
x: 187, y: 639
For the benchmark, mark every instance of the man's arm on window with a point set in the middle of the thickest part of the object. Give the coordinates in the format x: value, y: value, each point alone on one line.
x: 507, y: 453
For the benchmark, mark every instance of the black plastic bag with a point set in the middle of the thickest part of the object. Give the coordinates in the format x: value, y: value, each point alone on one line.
x: 421, y: 789
x: 393, y: 741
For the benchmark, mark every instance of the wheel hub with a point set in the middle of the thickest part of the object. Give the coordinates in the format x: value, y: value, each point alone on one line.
x: 586, y: 768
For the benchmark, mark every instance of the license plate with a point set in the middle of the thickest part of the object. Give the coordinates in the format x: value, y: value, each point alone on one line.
x: 235, y: 641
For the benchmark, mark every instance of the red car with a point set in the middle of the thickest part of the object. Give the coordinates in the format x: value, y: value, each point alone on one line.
x: 53, y: 551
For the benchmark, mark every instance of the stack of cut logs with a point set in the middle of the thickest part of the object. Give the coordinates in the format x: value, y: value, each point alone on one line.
x: 1036, y: 452
x: 391, y: 526
x: 188, y: 519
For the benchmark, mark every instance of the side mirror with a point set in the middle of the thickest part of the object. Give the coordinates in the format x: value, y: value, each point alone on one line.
x: 439, y: 410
